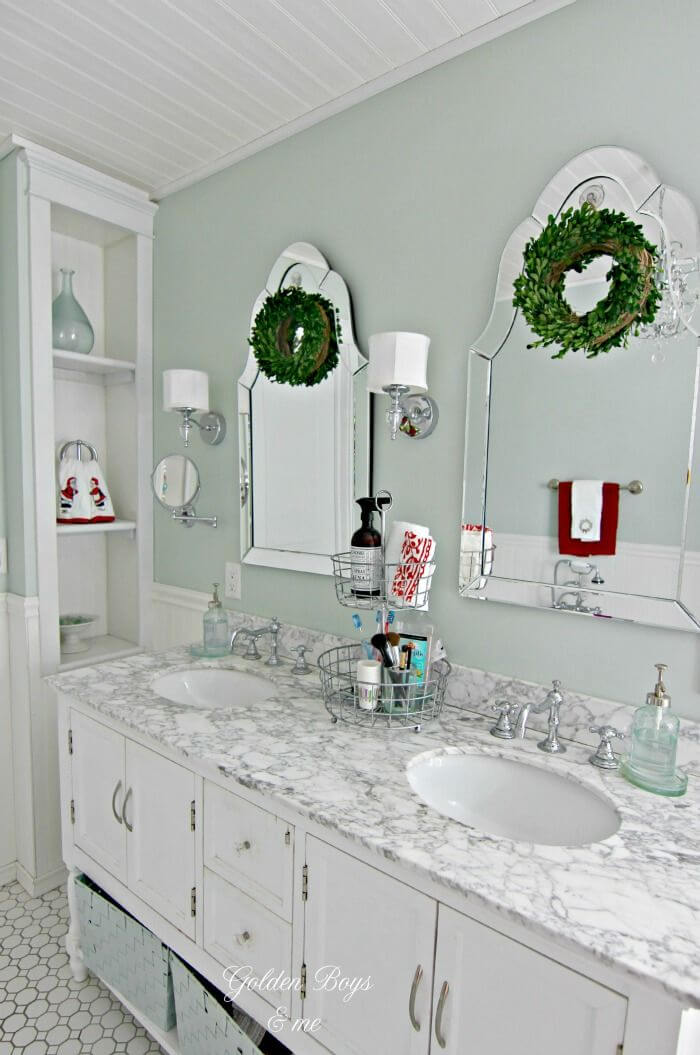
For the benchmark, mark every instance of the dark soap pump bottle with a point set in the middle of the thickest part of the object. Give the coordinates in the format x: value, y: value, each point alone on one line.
x: 366, y: 553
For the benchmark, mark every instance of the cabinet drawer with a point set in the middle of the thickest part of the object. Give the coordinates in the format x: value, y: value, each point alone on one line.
x: 240, y: 933
x: 250, y: 847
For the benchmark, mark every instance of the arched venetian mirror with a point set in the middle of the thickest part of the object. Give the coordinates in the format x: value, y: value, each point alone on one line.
x: 626, y: 417
x: 305, y: 451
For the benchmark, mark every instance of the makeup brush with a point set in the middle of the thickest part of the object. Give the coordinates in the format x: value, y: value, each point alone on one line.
x: 394, y: 642
x: 381, y: 644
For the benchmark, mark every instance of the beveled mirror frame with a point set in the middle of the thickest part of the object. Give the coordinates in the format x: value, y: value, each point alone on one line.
x: 303, y: 264
x: 646, y: 194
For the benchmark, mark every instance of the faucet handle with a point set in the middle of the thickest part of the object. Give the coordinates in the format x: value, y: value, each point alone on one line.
x: 604, y: 757
x: 504, y: 728
x: 301, y: 666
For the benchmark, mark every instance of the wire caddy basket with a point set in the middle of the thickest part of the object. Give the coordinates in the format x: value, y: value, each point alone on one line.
x: 400, y: 702
x: 397, y: 585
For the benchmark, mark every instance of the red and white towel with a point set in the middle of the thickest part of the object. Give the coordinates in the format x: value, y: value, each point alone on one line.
x: 82, y: 496
x: 410, y: 554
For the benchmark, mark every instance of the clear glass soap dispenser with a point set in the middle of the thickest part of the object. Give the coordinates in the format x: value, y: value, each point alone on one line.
x: 216, y: 633
x: 651, y: 761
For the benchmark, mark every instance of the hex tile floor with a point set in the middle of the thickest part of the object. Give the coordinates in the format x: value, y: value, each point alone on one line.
x: 43, y: 1011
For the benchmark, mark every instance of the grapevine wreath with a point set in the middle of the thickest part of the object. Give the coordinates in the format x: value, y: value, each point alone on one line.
x: 295, y: 337
x: 570, y: 243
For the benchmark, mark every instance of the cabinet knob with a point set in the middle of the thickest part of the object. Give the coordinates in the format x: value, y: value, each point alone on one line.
x: 245, y: 845
x: 244, y: 937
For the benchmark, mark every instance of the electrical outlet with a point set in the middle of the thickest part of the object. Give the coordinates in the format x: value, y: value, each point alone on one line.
x: 3, y: 556
x: 232, y: 582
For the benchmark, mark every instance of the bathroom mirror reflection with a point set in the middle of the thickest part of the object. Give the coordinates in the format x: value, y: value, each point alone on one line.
x: 175, y: 481
x: 538, y: 428
x: 305, y: 451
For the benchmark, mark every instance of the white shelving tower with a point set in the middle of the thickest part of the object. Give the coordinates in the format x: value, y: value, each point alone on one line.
x: 103, y: 230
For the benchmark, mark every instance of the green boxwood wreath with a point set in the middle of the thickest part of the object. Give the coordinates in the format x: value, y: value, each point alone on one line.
x: 282, y: 357
x: 570, y: 244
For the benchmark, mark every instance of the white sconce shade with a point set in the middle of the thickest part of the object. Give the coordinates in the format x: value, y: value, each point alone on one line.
x: 398, y: 359
x: 185, y: 389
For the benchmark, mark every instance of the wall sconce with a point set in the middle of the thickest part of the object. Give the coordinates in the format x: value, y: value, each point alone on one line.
x: 187, y: 392
x: 398, y: 365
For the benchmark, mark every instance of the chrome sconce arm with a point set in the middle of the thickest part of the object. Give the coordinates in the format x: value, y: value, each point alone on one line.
x: 211, y: 425
x: 416, y: 416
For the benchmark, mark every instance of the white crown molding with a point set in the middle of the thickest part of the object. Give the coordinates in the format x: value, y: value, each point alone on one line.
x: 63, y: 181
x: 504, y: 24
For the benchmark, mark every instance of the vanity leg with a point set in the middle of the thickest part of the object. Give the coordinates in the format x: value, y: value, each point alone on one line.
x: 75, y: 953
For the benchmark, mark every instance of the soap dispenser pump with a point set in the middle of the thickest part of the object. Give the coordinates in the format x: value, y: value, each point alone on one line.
x: 366, y: 553
x: 651, y: 762
x: 215, y: 624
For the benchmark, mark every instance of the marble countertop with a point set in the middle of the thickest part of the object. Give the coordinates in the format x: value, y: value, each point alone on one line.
x: 632, y: 901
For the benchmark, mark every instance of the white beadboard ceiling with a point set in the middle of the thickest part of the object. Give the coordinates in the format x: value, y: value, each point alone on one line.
x: 164, y: 92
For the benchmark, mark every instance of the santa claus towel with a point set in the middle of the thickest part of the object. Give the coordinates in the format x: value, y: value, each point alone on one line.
x: 82, y: 496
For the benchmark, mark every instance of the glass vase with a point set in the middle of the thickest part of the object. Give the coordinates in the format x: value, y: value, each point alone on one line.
x: 72, y: 331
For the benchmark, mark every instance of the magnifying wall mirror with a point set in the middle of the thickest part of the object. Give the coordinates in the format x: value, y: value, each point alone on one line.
x: 305, y: 451
x: 175, y: 483
x: 625, y: 417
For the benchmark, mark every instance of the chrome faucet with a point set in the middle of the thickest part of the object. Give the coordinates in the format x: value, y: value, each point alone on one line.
x: 252, y: 650
x: 572, y: 600
x: 552, y: 701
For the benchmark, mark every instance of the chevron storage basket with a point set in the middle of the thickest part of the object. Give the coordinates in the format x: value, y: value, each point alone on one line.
x: 129, y: 958
x: 205, y: 1021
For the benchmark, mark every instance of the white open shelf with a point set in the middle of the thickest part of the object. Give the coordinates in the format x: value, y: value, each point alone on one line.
x: 101, y: 648
x: 168, y: 1041
x: 95, y: 529
x: 109, y: 371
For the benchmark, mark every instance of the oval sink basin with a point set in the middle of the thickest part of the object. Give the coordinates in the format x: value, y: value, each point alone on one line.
x: 212, y: 688
x: 500, y: 796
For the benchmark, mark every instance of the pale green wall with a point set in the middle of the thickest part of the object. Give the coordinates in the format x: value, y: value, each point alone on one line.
x: 16, y: 460
x: 412, y: 196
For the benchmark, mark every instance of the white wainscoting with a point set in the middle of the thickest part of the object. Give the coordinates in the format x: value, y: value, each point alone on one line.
x: 8, y: 853
x: 177, y: 615
x: 648, y: 571
x: 39, y: 866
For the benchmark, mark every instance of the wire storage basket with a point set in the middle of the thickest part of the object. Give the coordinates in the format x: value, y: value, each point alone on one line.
x: 399, y: 702
x: 474, y: 567
x: 396, y: 585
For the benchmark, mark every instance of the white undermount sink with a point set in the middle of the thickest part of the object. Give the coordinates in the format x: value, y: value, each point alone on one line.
x: 208, y: 689
x: 501, y: 796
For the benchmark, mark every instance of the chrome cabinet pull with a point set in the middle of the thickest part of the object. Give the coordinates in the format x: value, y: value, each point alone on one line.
x: 412, y: 998
x: 115, y: 811
x: 439, y: 1036
x: 129, y: 827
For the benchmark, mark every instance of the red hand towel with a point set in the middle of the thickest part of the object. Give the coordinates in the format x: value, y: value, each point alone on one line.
x: 608, y: 526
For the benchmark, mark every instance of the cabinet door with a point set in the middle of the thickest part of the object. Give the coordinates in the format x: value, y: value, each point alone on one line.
x: 492, y: 994
x: 160, y: 843
x: 97, y: 773
x: 364, y: 928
